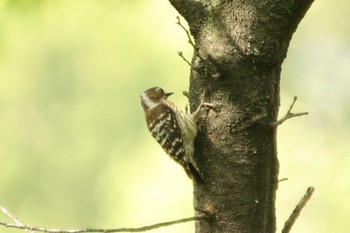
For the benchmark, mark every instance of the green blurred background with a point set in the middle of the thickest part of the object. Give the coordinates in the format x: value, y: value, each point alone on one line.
x: 74, y: 148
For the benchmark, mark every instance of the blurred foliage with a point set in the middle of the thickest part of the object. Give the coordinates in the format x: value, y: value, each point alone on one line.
x: 74, y: 148
x: 22, y: 5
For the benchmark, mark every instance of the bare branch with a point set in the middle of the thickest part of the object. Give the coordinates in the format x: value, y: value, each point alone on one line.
x: 189, y: 38
x: 186, y: 31
x: 13, y: 218
x: 186, y: 93
x: 182, y: 56
x: 289, y: 114
x: 215, y: 67
x: 19, y: 225
x: 8, y: 214
x: 296, y: 212
x: 283, y: 179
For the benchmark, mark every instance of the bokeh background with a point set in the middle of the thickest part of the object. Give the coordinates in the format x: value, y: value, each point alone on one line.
x: 74, y: 148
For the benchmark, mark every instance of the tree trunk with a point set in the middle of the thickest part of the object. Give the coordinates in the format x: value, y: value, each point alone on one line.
x: 240, y: 46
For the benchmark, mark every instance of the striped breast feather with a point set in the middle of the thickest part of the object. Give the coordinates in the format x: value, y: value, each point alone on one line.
x: 163, y: 125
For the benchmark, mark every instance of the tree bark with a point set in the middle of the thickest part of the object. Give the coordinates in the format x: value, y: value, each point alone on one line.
x: 239, y: 49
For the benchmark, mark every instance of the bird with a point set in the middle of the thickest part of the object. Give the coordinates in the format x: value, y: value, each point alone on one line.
x: 174, y: 129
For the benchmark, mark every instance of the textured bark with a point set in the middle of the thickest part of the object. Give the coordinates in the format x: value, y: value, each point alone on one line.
x: 241, y: 45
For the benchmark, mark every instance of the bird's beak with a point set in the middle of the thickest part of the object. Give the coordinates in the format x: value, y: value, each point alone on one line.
x: 169, y: 94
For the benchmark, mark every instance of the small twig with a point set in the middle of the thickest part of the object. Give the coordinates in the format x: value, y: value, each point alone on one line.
x: 216, y: 73
x: 182, y: 56
x: 296, y: 212
x: 186, y: 93
x: 8, y: 214
x: 13, y: 218
x: 186, y: 31
x: 19, y: 225
x: 289, y: 114
x: 190, y: 41
x: 283, y: 179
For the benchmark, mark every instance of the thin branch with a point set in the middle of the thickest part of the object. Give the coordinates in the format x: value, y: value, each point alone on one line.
x: 182, y: 56
x: 19, y: 225
x: 186, y: 93
x: 216, y: 73
x: 8, y: 214
x: 190, y: 41
x: 186, y: 31
x: 283, y: 179
x: 189, y: 38
x: 13, y: 218
x: 289, y: 114
x: 296, y: 212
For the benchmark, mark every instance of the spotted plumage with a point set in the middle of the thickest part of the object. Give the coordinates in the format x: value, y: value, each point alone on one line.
x: 172, y: 128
